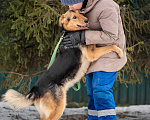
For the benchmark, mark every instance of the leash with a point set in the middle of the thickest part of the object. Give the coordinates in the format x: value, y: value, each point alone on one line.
x: 53, y: 59
x: 79, y: 86
x: 55, y: 51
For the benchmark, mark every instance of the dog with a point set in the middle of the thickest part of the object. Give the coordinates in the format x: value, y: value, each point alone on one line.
x: 49, y: 92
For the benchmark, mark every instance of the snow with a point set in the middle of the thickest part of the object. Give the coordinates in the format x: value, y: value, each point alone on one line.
x: 134, y: 112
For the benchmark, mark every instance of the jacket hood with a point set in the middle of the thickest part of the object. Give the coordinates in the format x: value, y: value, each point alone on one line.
x: 89, y: 6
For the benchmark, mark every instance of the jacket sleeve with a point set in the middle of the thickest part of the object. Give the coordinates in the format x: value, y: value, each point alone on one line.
x: 108, y: 20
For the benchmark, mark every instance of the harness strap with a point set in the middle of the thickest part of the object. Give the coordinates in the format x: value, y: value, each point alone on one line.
x: 53, y: 59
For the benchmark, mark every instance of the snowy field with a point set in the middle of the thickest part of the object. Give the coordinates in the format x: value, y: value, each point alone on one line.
x: 138, y: 112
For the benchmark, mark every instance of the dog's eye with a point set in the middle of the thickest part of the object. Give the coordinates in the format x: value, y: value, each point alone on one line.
x: 74, y: 17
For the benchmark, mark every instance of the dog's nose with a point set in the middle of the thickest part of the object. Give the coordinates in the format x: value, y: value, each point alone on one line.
x: 86, y: 20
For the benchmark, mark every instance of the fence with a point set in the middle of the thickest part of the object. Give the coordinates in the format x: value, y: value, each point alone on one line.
x: 133, y: 94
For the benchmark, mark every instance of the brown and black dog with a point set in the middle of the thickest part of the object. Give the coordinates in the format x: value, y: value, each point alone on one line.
x: 49, y: 92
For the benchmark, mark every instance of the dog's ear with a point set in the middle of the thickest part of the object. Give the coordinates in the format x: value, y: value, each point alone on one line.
x: 61, y: 19
x: 77, y: 11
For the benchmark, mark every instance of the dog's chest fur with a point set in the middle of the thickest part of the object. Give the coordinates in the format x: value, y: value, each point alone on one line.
x: 80, y: 73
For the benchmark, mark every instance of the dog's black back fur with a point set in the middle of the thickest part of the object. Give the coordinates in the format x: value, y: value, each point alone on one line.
x: 64, y: 67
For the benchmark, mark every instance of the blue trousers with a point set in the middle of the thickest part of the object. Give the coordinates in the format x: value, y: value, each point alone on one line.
x: 101, y: 104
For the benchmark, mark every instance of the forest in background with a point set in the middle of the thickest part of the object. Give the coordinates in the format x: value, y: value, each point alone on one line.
x: 29, y: 32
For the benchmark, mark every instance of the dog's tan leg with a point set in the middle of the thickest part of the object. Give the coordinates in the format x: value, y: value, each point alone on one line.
x: 53, y: 107
x: 37, y: 105
x: 59, y: 107
x: 57, y: 113
x: 93, y: 53
x: 42, y: 117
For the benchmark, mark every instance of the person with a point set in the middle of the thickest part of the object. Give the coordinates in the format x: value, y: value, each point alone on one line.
x: 105, y: 28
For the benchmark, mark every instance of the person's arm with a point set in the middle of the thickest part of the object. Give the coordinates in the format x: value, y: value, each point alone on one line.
x: 109, y: 22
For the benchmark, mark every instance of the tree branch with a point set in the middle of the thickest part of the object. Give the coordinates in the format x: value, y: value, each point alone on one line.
x: 35, y: 74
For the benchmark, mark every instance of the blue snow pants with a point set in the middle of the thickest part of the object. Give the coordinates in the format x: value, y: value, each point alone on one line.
x: 101, y: 104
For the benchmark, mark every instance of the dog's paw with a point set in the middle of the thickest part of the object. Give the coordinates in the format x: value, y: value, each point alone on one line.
x: 120, y: 53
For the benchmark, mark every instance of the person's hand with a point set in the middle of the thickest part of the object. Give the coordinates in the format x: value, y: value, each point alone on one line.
x: 72, y: 39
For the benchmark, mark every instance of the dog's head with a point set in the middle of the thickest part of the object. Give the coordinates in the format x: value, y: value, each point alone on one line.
x: 73, y: 20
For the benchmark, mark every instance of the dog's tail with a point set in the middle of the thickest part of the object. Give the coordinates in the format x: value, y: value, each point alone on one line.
x: 17, y: 99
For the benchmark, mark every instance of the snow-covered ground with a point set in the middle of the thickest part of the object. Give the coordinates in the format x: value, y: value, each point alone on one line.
x: 137, y: 112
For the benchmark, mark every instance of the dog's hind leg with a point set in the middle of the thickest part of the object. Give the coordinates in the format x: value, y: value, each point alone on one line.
x: 93, y: 53
x: 37, y: 105
x: 53, y: 107
x: 56, y: 114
